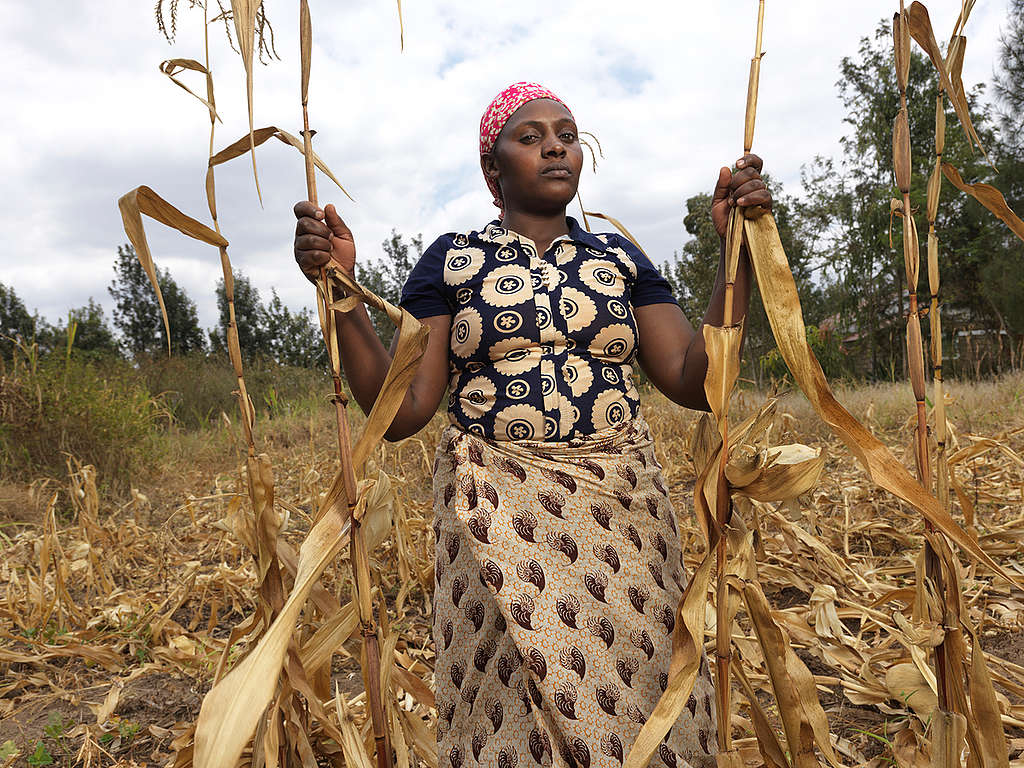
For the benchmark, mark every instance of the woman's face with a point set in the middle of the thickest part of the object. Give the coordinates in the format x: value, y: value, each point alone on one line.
x: 537, y: 158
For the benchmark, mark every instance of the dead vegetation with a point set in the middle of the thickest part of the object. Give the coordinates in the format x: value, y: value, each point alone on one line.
x: 119, y: 620
x: 115, y: 617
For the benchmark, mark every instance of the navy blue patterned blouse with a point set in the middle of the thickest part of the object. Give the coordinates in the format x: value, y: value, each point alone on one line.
x: 542, y: 345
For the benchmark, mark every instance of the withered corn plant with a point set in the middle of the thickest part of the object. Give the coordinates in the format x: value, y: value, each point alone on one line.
x: 723, y: 472
x: 739, y: 463
x: 274, y: 707
x: 964, y: 695
x: 931, y: 579
x: 274, y: 699
x: 233, y: 711
x: 358, y: 556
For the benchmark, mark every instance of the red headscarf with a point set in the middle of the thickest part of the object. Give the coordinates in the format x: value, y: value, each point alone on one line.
x: 497, y: 114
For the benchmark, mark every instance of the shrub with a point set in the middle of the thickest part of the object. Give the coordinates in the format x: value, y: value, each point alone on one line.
x: 195, y: 389
x: 96, y: 410
x: 825, y: 347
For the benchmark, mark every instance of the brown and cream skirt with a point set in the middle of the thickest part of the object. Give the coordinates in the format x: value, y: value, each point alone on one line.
x: 558, y: 574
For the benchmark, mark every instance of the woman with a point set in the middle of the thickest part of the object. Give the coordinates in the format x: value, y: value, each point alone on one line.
x: 558, y: 565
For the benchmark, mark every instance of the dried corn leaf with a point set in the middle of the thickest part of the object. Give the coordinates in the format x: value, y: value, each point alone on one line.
x: 107, y: 657
x: 329, y: 638
x: 705, y: 441
x: 412, y: 342
x: 985, y: 709
x: 619, y: 226
x: 782, y: 305
x: 906, y: 683
x: 966, y: 6
x: 910, y: 750
x: 233, y: 707
x: 305, y: 47
x: 259, y: 136
x: 422, y: 737
x: 934, y: 187
x: 172, y: 67
x: 750, y: 114
x: 901, y: 47
x: 901, y: 150
x: 244, y: 14
x: 352, y: 745
x: 921, y: 30
x: 955, y: 65
x: 767, y: 741
x: 791, y: 471
x: 911, y: 251
x: 415, y: 685
x: 915, y: 356
x: 104, y: 710
x: 143, y: 200
x: 267, y: 521
x: 687, y: 642
x: 803, y: 720
x: 988, y: 196
x: 401, y: 28
x: 723, y: 350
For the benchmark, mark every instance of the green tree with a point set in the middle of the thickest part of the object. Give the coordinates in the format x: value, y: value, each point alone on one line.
x: 92, y: 334
x: 848, y: 203
x: 292, y: 338
x: 137, y: 315
x: 16, y: 324
x: 387, y: 275
x: 249, y: 317
x: 692, y: 272
x: 1003, y: 276
x: 1009, y: 79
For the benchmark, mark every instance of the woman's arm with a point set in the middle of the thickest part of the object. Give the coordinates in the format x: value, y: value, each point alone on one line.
x: 366, y: 362
x: 322, y: 238
x: 671, y: 352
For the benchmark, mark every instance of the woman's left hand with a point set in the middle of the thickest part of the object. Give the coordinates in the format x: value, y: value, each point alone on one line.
x: 744, y: 188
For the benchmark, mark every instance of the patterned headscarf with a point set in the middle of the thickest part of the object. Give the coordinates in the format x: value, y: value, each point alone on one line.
x: 497, y: 114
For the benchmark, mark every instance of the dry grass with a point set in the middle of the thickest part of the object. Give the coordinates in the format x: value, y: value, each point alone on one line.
x: 113, y: 619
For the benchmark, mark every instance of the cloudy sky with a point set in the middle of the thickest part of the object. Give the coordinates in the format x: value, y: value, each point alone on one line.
x: 662, y: 83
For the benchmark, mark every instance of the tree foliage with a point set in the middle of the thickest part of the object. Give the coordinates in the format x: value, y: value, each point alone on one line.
x: 387, y: 275
x: 137, y: 315
x: 1009, y: 78
x: 1004, y: 274
x: 268, y: 331
x: 692, y: 272
x: 248, y: 317
x: 92, y: 334
x: 292, y: 338
x: 16, y: 324
x: 847, y: 201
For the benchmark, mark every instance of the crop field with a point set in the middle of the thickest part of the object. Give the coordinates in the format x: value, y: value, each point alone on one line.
x: 117, y: 608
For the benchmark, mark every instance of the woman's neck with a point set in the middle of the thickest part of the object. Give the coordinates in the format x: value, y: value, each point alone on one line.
x: 541, y: 229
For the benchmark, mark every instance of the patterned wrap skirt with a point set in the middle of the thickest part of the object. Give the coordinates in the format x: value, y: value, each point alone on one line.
x: 558, y: 573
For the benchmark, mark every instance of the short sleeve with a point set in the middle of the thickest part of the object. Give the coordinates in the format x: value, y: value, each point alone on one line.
x: 650, y: 287
x: 423, y: 294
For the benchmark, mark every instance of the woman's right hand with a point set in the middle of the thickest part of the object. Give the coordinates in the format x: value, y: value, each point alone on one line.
x: 322, y: 239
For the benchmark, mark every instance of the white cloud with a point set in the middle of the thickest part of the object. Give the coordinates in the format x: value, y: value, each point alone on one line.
x: 661, y: 83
